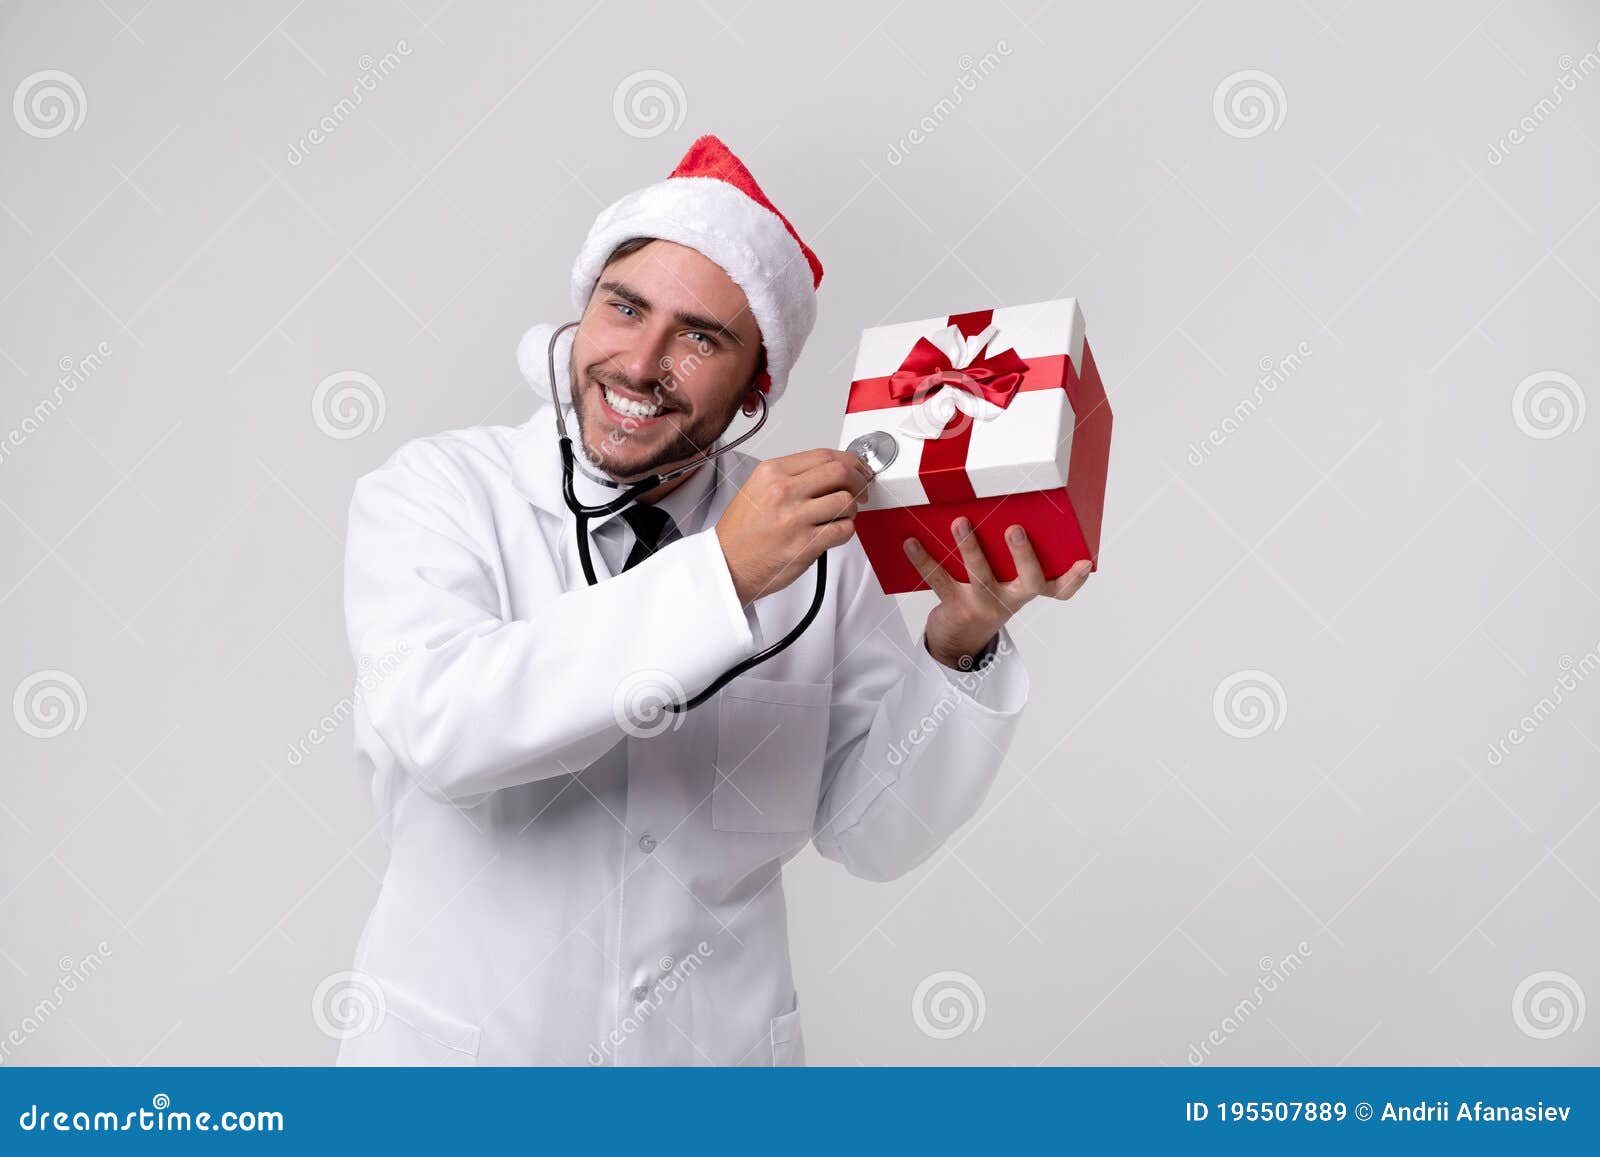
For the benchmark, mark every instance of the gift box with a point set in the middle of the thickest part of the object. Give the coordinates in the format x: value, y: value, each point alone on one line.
x: 998, y: 415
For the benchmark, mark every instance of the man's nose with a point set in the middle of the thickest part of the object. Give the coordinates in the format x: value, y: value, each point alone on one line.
x: 644, y: 360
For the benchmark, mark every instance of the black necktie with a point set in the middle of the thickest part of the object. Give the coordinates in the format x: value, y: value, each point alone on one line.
x: 652, y: 527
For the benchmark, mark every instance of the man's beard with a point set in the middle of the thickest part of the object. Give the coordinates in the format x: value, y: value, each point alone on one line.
x: 689, y: 438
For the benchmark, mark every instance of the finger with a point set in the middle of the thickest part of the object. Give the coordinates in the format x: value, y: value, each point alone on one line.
x: 1070, y: 583
x: 807, y: 460
x: 1030, y: 575
x: 942, y: 581
x: 979, y: 573
x: 835, y: 533
x: 828, y: 507
x: 828, y: 476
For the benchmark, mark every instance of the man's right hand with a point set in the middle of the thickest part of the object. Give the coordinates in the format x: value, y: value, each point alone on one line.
x: 788, y: 512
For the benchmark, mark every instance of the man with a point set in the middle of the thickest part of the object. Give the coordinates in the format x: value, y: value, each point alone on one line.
x: 577, y: 876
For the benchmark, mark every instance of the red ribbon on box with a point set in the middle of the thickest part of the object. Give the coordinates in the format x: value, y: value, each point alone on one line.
x: 996, y: 378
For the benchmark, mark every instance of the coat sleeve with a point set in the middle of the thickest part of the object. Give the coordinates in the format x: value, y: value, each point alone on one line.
x: 475, y: 701
x: 913, y: 747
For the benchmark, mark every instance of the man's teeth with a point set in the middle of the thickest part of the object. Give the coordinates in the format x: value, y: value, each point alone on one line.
x: 628, y: 406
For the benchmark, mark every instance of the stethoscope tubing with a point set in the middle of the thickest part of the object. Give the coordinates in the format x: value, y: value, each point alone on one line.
x: 582, y: 514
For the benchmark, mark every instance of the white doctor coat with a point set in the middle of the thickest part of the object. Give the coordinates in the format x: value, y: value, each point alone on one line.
x: 561, y: 890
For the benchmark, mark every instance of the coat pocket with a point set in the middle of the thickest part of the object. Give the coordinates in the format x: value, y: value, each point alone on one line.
x: 772, y: 736
x: 412, y: 1032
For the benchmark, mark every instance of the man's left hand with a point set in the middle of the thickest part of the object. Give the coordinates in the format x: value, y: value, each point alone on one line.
x: 970, y: 613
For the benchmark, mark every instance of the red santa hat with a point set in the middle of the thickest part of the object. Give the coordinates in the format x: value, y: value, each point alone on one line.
x: 711, y: 204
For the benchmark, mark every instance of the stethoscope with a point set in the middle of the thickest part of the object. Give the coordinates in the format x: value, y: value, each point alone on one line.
x: 873, y: 452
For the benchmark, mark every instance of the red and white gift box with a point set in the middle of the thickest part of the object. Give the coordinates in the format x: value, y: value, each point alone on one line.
x: 998, y: 415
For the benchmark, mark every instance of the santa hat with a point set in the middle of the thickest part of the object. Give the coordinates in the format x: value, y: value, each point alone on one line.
x: 712, y: 204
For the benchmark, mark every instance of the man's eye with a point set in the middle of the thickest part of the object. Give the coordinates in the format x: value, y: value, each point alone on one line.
x: 701, y: 339
x: 624, y: 309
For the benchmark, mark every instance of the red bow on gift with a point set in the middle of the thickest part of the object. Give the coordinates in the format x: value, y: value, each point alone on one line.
x: 994, y: 377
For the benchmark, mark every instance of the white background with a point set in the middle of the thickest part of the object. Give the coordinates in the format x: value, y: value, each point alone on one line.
x: 1382, y: 536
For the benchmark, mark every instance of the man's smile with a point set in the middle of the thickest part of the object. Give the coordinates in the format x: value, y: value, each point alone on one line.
x: 629, y: 408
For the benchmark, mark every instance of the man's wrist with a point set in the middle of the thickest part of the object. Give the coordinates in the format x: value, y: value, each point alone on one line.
x: 965, y: 660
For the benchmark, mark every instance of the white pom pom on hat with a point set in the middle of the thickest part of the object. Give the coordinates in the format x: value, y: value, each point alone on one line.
x: 709, y: 203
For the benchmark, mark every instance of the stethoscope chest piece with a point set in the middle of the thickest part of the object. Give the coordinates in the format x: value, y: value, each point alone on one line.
x: 877, y: 449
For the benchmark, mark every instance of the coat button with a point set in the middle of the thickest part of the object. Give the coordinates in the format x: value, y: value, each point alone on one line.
x: 647, y: 843
x: 641, y: 994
